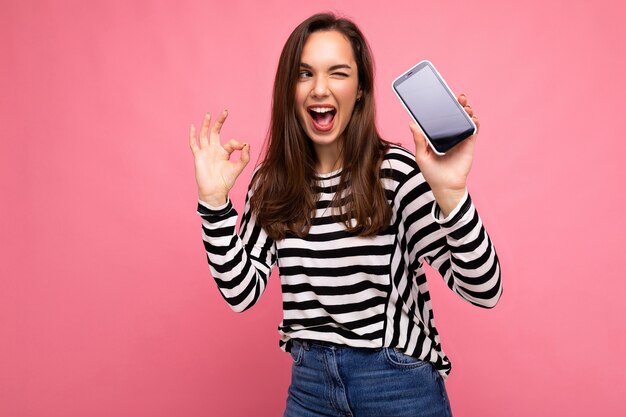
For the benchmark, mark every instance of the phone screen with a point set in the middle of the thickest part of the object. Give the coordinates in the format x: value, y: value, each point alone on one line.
x: 434, y: 107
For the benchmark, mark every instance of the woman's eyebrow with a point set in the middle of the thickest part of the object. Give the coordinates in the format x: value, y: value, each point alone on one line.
x: 334, y: 67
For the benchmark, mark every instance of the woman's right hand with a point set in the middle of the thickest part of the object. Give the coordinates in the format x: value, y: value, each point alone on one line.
x: 215, y: 172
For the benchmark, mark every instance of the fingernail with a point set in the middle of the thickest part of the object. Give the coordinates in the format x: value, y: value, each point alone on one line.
x: 225, y: 110
x: 463, y: 95
x: 207, y: 115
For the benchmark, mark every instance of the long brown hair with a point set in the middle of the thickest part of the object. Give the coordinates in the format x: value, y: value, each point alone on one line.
x: 284, y: 196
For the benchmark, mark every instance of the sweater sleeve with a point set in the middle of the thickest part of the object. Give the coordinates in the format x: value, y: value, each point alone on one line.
x: 457, y: 246
x: 240, y: 263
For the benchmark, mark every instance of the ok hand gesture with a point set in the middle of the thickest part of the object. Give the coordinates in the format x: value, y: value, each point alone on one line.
x: 215, y: 172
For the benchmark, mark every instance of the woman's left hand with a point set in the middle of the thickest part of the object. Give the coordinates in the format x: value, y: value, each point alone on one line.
x: 446, y: 174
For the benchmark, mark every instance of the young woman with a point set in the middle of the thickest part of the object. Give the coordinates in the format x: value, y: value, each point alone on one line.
x: 350, y: 219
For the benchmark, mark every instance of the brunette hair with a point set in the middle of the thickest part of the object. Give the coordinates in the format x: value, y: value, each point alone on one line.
x: 284, y: 196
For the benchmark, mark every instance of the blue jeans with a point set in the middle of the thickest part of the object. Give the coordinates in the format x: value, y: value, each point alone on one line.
x: 334, y: 380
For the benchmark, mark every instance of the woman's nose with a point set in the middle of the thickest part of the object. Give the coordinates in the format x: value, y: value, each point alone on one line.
x: 320, y: 88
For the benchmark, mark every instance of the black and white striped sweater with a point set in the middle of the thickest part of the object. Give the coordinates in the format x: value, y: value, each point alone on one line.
x: 363, y: 292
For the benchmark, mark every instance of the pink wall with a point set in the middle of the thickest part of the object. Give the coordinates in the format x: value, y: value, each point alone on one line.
x: 106, y: 304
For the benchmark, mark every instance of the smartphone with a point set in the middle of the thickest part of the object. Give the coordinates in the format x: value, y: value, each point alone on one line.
x: 430, y: 102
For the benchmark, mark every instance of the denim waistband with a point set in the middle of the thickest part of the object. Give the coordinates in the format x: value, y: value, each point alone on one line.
x: 308, y: 343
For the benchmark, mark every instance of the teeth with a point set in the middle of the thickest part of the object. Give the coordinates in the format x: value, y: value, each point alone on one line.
x: 321, y: 109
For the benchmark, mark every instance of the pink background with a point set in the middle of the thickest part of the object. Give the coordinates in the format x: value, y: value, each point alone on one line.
x: 107, y: 307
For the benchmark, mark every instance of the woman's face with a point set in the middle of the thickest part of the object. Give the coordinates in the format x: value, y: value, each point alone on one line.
x: 327, y: 88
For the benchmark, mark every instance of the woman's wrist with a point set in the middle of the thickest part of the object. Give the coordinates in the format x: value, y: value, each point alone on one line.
x: 448, y: 199
x: 214, y: 200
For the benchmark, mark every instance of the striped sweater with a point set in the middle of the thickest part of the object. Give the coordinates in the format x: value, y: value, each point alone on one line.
x: 359, y: 291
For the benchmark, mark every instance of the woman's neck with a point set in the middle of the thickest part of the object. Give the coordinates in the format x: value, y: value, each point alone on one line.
x: 328, y: 158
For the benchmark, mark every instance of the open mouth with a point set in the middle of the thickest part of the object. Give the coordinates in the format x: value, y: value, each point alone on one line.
x: 322, y: 117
